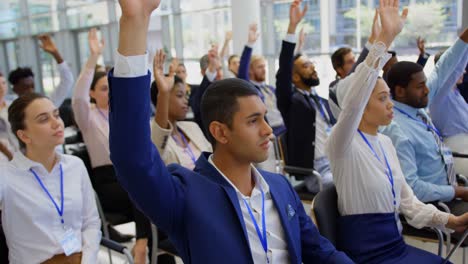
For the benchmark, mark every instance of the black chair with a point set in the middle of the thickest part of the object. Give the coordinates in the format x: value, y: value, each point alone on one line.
x: 3, y: 245
x: 325, y: 213
x: 299, y: 173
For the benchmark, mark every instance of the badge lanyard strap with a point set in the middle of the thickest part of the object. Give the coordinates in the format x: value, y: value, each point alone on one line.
x: 388, y: 172
x: 433, y: 128
x: 189, y: 149
x: 102, y: 114
x: 261, y: 234
x: 59, y: 210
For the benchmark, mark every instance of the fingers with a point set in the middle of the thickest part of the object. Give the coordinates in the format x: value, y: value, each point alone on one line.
x: 404, y: 15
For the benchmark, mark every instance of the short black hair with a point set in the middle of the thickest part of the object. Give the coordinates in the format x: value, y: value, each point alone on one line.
x: 232, y: 57
x: 154, y: 89
x: 401, y: 74
x: 19, y: 73
x: 337, y: 57
x: 219, y: 102
x: 17, y: 112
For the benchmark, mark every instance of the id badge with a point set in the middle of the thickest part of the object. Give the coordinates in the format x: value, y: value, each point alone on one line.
x: 69, y: 242
x: 447, y: 155
x: 328, y: 131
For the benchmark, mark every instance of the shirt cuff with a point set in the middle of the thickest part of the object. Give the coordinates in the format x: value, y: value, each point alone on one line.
x: 250, y: 45
x: 291, y: 38
x: 210, y: 75
x: 130, y: 66
x: 448, y: 193
x: 368, y: 45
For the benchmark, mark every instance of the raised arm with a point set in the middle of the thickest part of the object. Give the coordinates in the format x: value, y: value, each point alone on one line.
x: 423, y: 55
x: 225, y: 49
x: 284, y: 86
x: 62, y: 90
x: 81, y: 100
x: 358, y: 86
x: 138, y: 165
x: 244, y: 65
x: 448, y: 69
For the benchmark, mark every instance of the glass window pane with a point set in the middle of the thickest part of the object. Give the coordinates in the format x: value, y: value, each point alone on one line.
x: 88, y: 15
x: 190, y: 5
x: 9, y: 29
x: 9, y: 10
x: 48, y: 22
x: 201, y: 29
x: 12, y: 54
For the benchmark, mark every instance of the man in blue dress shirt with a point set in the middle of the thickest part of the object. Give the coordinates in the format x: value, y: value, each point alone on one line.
x: 425, y: 160
x: 225, y: 211
x: 450, y: 115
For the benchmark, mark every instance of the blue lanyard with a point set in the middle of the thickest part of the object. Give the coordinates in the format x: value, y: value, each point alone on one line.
x: 102, y: 114
x: 189, y: 149
x: 320, y: 106
x: 261, y: 235
x: 59, y: 210
x: 388, y: 172
x: 433, y: 128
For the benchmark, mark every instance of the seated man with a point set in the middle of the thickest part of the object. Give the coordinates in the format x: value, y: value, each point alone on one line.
x: 425, y: 160
x: 207, y: 213
x: 22, y: 79
x: 307, y: 116
x: 450, y: 116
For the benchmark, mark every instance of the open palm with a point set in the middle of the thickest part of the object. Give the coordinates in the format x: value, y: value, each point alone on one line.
x: 132, y: 8
x: 390, y: 18
x: 95, y: 46
x: 164, y: 83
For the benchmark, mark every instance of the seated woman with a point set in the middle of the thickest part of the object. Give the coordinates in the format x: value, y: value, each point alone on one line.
x: 178, y: 141
x: 92, y: 119
x: 49, y: 213
x: 371, y: 187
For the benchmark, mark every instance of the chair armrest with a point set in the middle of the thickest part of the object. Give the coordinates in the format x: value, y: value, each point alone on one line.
x: 298, y: 170
x: 111, y: 244
x: 459, y: 155
x: 462, y: 179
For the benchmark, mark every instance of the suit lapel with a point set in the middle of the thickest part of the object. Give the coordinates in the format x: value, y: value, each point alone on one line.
x: 204, y: 168
x: 283, y: 207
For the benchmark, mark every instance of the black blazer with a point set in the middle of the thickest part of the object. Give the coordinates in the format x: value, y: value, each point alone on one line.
x: 298, y: 112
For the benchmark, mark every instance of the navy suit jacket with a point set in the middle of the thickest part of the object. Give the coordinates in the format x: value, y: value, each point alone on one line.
x: 199, y: 210
x: 298, y: 112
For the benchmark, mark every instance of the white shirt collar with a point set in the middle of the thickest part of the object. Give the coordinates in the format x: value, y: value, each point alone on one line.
x: 260, y: 182
x: 21, y: 162
x: 259, y: 84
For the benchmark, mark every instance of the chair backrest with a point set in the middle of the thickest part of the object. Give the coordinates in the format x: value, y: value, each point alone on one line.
x: 326, y: 214
x: 3, y: 245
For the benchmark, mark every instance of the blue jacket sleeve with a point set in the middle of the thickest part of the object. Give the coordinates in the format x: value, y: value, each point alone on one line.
x: 137, y: 163
x: 422, y: 59
x: 243, y: 72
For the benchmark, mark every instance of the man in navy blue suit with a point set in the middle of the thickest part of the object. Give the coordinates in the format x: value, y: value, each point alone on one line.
x: 225, y: 211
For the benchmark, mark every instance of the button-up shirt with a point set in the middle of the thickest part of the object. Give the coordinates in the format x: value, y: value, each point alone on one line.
x: 30, y: 220
x: 277, y: 246
x: 450, y: 114
x: 417, y: 149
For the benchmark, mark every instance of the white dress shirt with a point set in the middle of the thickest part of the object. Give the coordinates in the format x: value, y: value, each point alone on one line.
x: 277, y: 246
x: 361, y: 181
x: 135, y: 66
x: 30, y: 220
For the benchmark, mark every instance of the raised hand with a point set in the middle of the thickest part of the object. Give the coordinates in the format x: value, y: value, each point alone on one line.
x: 295, y: 15
x: 95, y: 46
x: 135, y: 8
x: 421, y: 45
x: 228, y: 36
x: 376, y: 28
x: 214, y: 62
x: 164, y: 83
x: 253, y: 33
x: 48, y: 45
x: 391, y: 20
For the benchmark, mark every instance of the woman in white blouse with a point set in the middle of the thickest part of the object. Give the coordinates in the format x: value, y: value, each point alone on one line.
x: 48, y: 208
x: 178, y: 141
x: 371, y: 187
